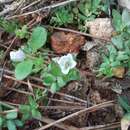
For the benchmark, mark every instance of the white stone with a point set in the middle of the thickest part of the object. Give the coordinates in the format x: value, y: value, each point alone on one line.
x: 124, y: 3
x: 100, y: 28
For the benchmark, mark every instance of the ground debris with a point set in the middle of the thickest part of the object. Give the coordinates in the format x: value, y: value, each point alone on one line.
x: 62, y: 42
x: 100, y: 27
x: 124, y: 3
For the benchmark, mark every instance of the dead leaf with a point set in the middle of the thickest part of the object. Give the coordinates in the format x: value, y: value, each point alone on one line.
x: 30, y: 86
x: 119, y: 72
x: 62, y: 42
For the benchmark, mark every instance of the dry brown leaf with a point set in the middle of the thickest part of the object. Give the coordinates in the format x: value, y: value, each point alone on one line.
x: 119, y: 72
x: 62, y: 42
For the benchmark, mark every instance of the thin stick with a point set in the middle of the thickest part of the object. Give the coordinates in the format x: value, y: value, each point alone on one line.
x: 93, y: 108
x: 11, y: 7
x: 52, y: 99
x: 44, y: 8
x: 62, y: 107
x: 6, y: 105
x: 53, y: 107
x: 5, y: 1
x: 19, y: 91
x: 8, y: 49
x: 78, y: 32
x: 60, y: 125
x: 41, y: 87
x: 66, y: 127
x: 66, y: 102
x: 8, y: 111
x: 12, y: 104
x: 33, y: 3
x: 103, y: 127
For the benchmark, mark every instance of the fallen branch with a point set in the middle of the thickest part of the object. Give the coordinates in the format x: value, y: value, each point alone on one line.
x: 78, y: 32
x: 44, y: 8
x: 90, y: 109
x: 60, y: 125
x: 31, y: 4
x: 66, y: 127
x: 43, y: 88
x: 5, y: 1
x: 11, y: 7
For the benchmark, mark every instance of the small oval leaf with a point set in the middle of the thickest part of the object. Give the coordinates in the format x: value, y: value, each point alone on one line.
x: 12, y: 115
x: 23, y: 69
x: 38, y: 38
x: 11, y: 125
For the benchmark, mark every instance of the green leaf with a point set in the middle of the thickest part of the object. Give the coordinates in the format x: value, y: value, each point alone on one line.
x: 38, y: 38
x: 1, y: 121
x: 95, y: 3
x: 48, y: 79
x: 24, y: 108
x: 115, y: 63
x: 122, y: 55
x: 62, y: 16
x: 18, y: 123
x: 106, y: 70
x: 11, y: 125
x: 54, y: 87
x: 118, y: 42
x: 124, y: 103
x: 55, y: 69
x: 126, y: 17
x: 73, y: 75
x: 26, y: 116
x: 12, y: 115
x: 23, y: 69
x: 22, y: 33
x: 117, y: 20
x: 32, y: 102
x: 38, y: 64
x: 36, y: 114
x: 112, y: 50
x: 60, y: 82
x: 8, y: 26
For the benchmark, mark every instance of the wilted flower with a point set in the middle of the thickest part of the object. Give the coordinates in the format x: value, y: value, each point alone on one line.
x: 17, y: 55
x: 66, y: 63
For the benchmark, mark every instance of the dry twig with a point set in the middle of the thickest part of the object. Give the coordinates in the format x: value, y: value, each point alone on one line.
x: 44, y: 8
x: 93, y: 108
x: 11, y: 7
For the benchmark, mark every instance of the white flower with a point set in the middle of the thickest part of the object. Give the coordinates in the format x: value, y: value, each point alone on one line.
x: 17, y: 55
x: 66, y: 63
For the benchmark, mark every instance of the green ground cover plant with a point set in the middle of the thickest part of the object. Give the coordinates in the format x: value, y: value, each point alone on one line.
x: 118, y: 54
x: 86, y: 10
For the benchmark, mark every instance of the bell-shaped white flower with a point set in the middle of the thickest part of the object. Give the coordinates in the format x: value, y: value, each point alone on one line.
x: 17, y: 56
x: 66, y: 63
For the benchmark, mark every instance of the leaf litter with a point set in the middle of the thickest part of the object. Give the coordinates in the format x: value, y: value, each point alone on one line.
x: 78, y: 92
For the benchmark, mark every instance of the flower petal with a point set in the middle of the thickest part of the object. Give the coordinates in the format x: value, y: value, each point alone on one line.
x: 73, y: 64
x: 66, y: 63
x: 17, y: 55
x: 64, y: 70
